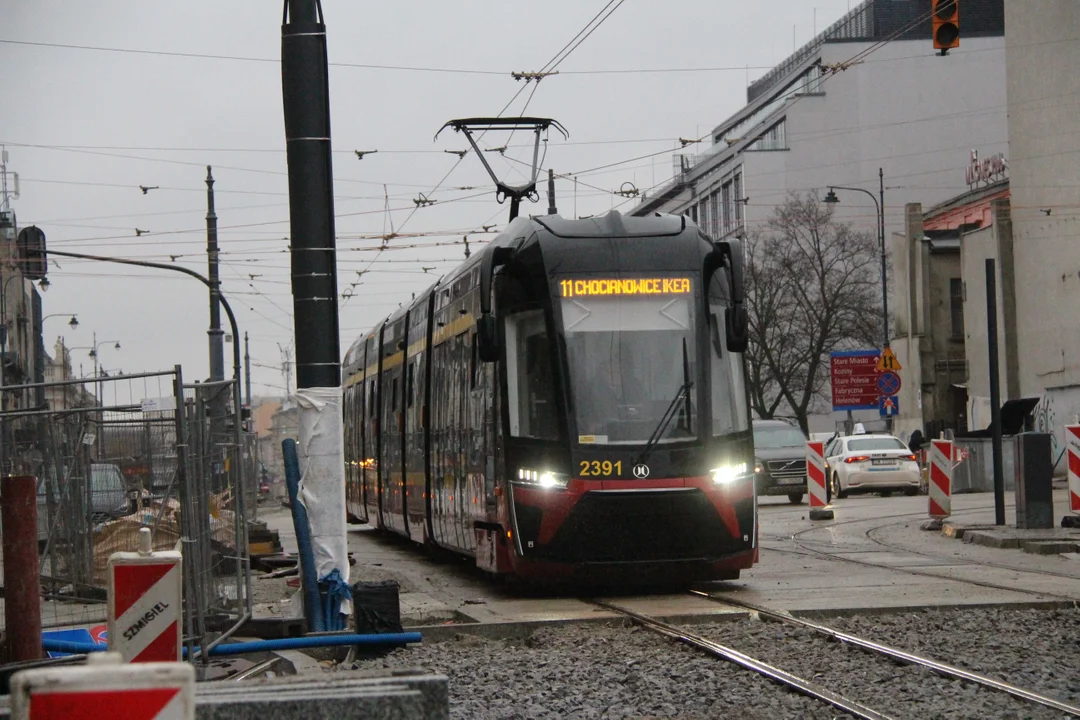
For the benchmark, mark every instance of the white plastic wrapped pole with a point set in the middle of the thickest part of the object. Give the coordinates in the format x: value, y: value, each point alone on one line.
x: 322, y: 479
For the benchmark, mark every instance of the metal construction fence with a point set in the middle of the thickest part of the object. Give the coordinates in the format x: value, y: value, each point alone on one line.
x: 134, y: 451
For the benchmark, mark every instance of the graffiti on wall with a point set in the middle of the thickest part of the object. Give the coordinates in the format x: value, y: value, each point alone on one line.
x: 1045, y: 418
x: 1058, y: 408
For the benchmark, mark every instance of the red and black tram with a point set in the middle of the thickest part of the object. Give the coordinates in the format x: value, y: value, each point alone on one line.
x: 568, y: 403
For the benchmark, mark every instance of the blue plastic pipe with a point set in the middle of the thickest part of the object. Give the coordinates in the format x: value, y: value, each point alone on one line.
x: 308, y: 641
x: 308, y: 577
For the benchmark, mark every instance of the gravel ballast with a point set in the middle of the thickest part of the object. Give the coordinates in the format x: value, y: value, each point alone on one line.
x: 619, y: 671
x: 596, y: 671
x: 1036, y: 650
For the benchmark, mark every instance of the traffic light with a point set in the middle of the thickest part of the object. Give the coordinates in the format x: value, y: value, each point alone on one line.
x: 31, y: 249
x: 946, y: 24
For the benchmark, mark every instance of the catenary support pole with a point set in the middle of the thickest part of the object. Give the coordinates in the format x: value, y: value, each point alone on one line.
x: 306, y: 104
x: 22, y: 586
x: 247, y: 369
x: 995, y: 390
x: 884, y: 276
x: 217, y: 345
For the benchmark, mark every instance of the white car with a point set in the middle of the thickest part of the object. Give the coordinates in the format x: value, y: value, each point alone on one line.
x: 871, y: 463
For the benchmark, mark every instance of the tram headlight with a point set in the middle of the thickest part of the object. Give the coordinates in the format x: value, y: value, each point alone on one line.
x: 728, y: 474
x: 542, y: 478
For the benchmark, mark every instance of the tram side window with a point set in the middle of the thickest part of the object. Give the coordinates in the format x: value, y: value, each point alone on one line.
x: 729, y: 402
x: 530, y: 385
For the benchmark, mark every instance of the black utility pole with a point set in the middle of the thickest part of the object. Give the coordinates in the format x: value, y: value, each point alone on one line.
x: 247, y: 368
x: 306, y: 96
x: 995, y: 390
x: 884, y: 273
x: 217, y: 345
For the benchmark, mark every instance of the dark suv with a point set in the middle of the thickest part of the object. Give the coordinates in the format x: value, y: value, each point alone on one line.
x: 779, y: 459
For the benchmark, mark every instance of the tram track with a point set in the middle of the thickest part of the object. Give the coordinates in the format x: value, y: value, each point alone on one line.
x: 775, y: 674
x: 806, y: 547
x: 900, y: 656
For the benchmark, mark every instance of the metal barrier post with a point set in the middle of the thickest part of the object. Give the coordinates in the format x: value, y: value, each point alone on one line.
x: 22, y: 586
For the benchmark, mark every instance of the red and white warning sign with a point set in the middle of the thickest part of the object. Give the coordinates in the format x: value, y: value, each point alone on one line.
x: 941, y: 472
x: 145, y: 604
x: 1072, y: 447
x: 105, y: 687
x: 815, y: 474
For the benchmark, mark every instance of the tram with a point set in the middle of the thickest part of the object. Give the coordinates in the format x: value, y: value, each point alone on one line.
x: 569, y: 403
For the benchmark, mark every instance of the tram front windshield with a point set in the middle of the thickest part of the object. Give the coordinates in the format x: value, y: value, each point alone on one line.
x: 630, y: 347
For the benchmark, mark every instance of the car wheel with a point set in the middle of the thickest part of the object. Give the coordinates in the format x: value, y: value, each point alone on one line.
x: 911, y: 491
x: 834, y: 485
x: 795, y: 498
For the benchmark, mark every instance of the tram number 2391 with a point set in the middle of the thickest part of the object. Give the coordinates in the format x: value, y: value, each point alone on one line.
x: 600, y: 468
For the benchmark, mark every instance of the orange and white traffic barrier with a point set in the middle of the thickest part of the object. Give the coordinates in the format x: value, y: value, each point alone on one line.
x: 941, y: 472
x: 815, y: 481
x: 105, y: 687
x: 145, y: 604
x: 1072, y: 448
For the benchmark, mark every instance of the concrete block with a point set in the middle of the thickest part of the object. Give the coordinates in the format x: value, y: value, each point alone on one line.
x: 385, y: 704
x: 821, y: 514
x: 434, y: 690
x: 1049, y: 547
x: 995, y: 540
x: 933, y: 524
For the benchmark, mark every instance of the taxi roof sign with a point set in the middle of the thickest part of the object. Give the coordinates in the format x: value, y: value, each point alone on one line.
x: 887, y: 361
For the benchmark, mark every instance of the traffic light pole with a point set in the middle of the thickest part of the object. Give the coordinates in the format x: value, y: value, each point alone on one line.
x: 241, y: 496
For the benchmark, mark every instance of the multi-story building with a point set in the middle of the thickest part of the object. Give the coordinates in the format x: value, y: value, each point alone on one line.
x: 58, y: 369
x: 1031, y: 236
x: 868, y: 94
x: 937, y: 273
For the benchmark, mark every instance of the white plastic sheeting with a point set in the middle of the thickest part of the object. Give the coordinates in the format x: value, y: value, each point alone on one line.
x: 322, y: 478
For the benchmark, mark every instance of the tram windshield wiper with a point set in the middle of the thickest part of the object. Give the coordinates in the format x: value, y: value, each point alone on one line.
x: 682, y: 393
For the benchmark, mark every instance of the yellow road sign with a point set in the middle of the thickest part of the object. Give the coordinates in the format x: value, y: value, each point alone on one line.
x: 887, y: 361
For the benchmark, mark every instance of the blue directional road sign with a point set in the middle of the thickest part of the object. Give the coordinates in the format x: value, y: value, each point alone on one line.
x: 888, y: 405
x: 888, y: 383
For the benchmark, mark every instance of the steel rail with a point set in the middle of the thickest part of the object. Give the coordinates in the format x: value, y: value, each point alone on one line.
x: 775, y: 674
x: 940, y: 668
x: 254, y: 670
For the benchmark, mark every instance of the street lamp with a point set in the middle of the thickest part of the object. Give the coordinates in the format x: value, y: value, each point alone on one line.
x: 832, y: 199
x: 73, y: 322
x: 94, y: 354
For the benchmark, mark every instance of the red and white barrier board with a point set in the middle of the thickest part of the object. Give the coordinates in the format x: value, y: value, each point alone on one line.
x: 145, y: 604
x: 815, y: 474
x: 105, y: 688
x: 941, y: 471
x: 1072, y: 447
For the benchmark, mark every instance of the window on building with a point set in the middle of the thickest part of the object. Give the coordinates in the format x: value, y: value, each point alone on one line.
x: 714, y: 214
x: 956, y: 306
x: 737, y: 191
x: 725, y: 193
x: 775, y: 138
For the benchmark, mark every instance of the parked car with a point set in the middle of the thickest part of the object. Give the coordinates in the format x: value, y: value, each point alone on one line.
x: 871, y: 463
x: 108, y: 499
x: 779, y: 459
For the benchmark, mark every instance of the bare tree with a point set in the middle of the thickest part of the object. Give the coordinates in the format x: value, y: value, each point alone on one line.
x: 812, y: 287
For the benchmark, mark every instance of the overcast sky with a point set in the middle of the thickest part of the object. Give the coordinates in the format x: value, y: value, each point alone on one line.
x: 84, y: 128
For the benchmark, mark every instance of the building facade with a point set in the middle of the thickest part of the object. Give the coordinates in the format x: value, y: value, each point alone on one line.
x: 58, y: 369
x: 828, y: 117
x: 1033, y: 234
x: 936, y: 266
